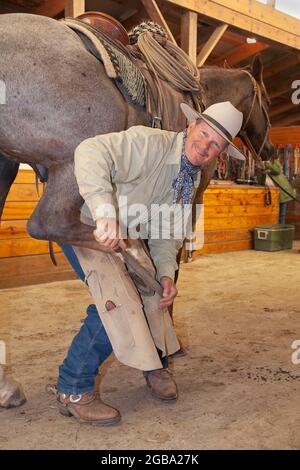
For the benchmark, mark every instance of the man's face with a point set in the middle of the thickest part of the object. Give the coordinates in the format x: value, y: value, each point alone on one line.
x: 203, y: 144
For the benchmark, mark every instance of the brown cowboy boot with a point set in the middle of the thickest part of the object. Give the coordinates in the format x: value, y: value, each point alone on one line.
x: 87, y: 407
x: 162, y: 384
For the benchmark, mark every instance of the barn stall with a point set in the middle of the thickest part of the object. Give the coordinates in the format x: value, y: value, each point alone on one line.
x: 237, y: 311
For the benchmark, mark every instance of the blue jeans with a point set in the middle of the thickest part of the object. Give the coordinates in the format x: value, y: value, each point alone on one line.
x: 282, y: 212
x: 89, y: 348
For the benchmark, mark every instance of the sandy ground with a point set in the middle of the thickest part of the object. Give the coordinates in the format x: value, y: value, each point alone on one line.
x: 238, y: 314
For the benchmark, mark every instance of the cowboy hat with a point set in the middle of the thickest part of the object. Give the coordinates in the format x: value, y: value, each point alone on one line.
x: 224, y: 118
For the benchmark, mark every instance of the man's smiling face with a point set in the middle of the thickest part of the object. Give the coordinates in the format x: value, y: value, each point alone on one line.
x: 203, y: 143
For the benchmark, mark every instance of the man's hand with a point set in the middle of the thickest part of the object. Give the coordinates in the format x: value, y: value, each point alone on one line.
x: 169, y: 293
x: 108, y: 234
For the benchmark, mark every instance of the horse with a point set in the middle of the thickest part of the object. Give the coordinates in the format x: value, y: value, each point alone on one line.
x: 58, y: 94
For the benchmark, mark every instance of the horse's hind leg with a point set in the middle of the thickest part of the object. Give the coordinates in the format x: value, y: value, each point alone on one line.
x: 57, y: 215
x: 11, y: 394
x: 8, y: 172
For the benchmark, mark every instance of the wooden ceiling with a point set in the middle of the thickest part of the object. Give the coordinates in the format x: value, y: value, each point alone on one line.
x: 281, y: 63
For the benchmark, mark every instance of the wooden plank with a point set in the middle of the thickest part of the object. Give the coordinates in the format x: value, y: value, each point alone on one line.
x: 240, y: 53
x: 214, y: 197
x: 281, y: 65
x: 38, y: 278
x: 51, y: 9
x: 211, y: 44
x: 234, y: 188
x: 155, y: 14
x: 223, y: 223
x: 281, y: 135
x: 239, y: 211
x: 255, y: 9
x: 224, y: 247
x: 285, y: 89
x: 25, y: 177
x: 18, y: 210
x: 32, y: 264
x: 23, y: 192
x: 281, y: 108
x: 249, y: 16
x: 214, y: 236
x: 74, y: 8
x: 189, y: 26
x: 24, y: 247
x: 13, y: 229
x: 288, y: 120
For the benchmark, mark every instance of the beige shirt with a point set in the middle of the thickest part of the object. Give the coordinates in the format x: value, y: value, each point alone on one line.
x: 140, y: 164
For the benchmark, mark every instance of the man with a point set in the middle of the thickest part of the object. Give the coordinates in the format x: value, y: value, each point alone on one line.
x: 150, y: 167
x: 286, y: 191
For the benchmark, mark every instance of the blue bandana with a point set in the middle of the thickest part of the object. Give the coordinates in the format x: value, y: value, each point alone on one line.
x: 183, y: 184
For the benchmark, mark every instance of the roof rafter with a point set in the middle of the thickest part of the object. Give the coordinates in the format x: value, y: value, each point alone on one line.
x: 240, y: 53
x: 251, y: 16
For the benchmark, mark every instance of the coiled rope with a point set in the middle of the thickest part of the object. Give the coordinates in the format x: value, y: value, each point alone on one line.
x: 160, y: 54
x: 169, y: 63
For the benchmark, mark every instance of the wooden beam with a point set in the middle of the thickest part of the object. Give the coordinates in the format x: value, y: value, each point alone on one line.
x: 241, y: 53
x: 74, y: 8
x: 189, y: 23
x: 251, y: 16
x: 288, y: 105
x: 288, y: 120
x: 42, y: 7
x: 51, y: 9
x: 281, y: 135
x: 279, y: 91
x: 233, y: 38
x: 282, y: 65
x: 211, y: 44
x: 155, y: 14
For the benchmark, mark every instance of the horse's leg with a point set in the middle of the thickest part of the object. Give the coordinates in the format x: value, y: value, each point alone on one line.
x: 11, y: 394
x: 57, y: 215
x: 8, y: 172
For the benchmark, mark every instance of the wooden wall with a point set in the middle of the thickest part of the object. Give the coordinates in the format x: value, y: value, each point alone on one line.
x: 24, y: 260
x: 230, y: 214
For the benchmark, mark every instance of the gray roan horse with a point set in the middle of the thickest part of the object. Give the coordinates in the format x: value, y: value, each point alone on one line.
x: 58, y: 94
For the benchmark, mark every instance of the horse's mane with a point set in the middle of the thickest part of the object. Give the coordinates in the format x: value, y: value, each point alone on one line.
x: 233, y: 70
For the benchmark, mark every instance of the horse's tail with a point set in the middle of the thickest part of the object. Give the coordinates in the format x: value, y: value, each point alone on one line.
x: 8, y: 172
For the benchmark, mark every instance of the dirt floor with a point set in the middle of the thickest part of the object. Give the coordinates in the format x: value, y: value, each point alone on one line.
x: 237, y: 313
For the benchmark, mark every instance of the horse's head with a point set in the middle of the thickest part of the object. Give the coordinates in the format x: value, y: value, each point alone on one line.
x: 246, y: 90
x: 255, y: 106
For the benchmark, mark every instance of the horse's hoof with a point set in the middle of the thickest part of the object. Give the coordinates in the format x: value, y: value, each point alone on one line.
x: 17, y: 398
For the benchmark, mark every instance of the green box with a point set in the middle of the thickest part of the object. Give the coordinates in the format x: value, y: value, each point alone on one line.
x: 273, y: 237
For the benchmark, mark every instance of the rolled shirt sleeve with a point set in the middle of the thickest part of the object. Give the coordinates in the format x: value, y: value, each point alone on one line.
x: 94, y: 167
x: 164, y: 255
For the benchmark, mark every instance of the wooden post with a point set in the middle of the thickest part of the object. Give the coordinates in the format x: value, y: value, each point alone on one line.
x: 189, y: 22
x: 155, y: 14
x: 74, y: 8
x: 211, y: 44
